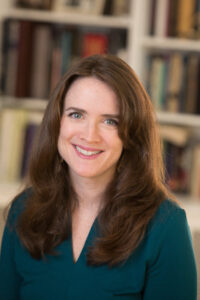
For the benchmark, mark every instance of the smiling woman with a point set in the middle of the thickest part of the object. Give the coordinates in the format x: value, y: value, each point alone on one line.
x: 96, y: 219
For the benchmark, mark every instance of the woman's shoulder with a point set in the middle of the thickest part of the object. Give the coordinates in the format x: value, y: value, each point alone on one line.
x: 169, y: 209
x: 169, y: 212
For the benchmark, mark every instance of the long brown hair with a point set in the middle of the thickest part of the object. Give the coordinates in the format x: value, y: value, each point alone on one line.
x: 134, y: 194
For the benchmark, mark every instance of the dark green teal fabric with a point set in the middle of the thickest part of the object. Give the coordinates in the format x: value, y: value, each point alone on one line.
x: 162, y: 268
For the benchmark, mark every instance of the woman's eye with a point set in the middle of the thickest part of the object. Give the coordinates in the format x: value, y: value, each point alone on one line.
x: 111, y: 122
x: 75, y: 115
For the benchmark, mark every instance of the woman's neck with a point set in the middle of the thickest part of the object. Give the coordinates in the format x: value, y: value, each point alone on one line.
x: 90, y: 192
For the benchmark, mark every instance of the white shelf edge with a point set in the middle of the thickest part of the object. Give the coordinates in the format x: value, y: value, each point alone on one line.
x: 166, y: 43
x: 24, y: 103
x: 178, y: 119
x: 70, y: 18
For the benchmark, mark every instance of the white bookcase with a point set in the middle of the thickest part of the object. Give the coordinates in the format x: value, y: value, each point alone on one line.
x: 139, y: 44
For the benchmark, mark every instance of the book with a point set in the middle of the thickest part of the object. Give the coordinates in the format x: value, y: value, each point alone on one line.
x: 156, y: 81
x: 15, y: 160
x: 94, y: 43
x: 176, y: 174
x: 196, y: 25
x: 24, y: 59
x: 31, y: 128
x: 56, y: 57
x: 172, y: 18
x: 197, y: 109
x: 120, y: 7
x: 66, y: 50
x: 18, y: 128
x: 185, y: 18
x: 184, y: 81
x: 4, y: 56
x: 191, y: 93
x: 36, y: 4
x: 41, y: 60
x: 161, y: 14
x: 195, y: 172
x: 152, y: 16
x: 12, y: 135
x: 61, y: 56
x: 96, y: 7
x: 175, y: 75
x: 11, y: 57
x: 117, y: 41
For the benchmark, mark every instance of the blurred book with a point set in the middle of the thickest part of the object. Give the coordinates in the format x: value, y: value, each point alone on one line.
x: 94, y: 43
x: 195, y: 172
x: 185, y: 18
x: 11, y: 40
x: 161, y: 15
x: 12, y: 135
x: 35, y: 4
x: 15, y: 143
x: 31, y: 129
x: 24, y: 60
x: 41, y: 60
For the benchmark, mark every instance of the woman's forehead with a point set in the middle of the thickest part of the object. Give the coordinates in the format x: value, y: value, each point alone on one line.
x: 91, y: 91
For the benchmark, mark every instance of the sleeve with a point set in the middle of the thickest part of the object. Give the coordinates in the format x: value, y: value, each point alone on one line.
x: 172, y: 270
x: 10, y: 280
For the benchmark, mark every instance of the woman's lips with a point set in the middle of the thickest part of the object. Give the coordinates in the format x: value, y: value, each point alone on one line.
x: 87, y: 153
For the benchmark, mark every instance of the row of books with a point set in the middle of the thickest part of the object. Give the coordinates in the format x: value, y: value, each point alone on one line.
x: 36, y: 55
x: 17, y: 131
x: 173, y: 82
x: 181, y: 151
x: 179, y: 18
x: 111, y: 7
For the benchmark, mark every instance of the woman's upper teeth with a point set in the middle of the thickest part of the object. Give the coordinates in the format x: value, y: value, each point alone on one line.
x: 86, y: 152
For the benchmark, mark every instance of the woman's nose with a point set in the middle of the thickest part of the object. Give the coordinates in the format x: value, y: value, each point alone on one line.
x: 90, y: 132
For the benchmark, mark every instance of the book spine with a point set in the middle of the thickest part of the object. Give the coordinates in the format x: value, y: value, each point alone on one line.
x: 24, y: 59
x: 94, y: 43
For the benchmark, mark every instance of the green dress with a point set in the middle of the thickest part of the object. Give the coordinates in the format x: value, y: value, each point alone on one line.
x: 162, y: 267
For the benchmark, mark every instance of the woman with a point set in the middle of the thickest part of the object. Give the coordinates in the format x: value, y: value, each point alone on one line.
x: 96, y: 221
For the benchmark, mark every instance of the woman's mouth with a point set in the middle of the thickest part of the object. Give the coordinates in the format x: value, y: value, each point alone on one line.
x: 87, y: 153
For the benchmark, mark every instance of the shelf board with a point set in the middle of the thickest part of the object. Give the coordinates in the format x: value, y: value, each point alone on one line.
x: 178, y: 119
x: 23, y: 103
x: 70, y: 18
x: 166, y: 43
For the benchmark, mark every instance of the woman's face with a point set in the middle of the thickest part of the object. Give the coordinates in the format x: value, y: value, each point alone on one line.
x: 88, y: 139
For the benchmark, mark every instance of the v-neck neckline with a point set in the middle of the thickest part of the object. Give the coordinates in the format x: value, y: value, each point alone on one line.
x: 85, y: 245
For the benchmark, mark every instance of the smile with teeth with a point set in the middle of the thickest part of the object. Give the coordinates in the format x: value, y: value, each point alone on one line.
x: 87, y: 153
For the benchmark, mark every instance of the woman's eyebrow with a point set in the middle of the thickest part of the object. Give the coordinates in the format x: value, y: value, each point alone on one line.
x: 116, y: 116
x: 75, y: 108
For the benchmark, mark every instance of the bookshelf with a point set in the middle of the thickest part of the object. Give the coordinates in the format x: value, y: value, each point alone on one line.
x: 139, y: 44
